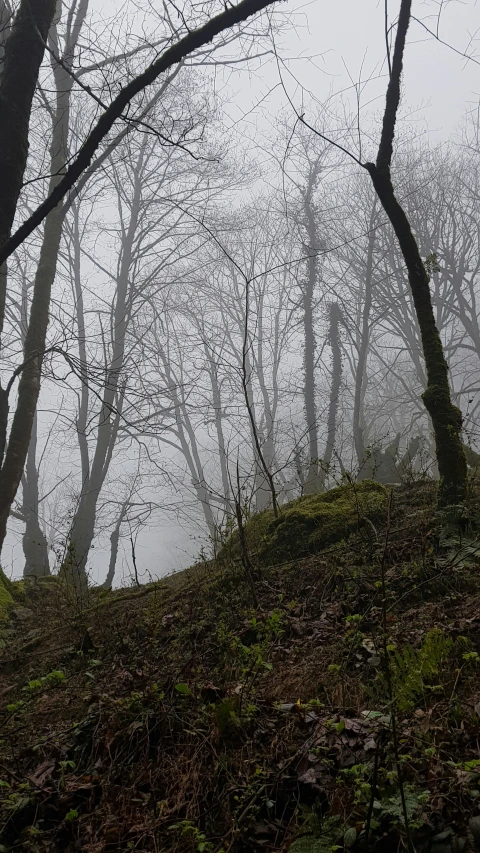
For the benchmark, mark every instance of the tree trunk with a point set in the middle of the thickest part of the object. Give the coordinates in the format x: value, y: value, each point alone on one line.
x: 22, y: 57
x: 361, y: 371
x: 311, y: 482
x: 264, y: 497
x: 83, y: 525
x: 446, y: 418
x: 334, y: 336
x: 217, y: 407
x: 114, y: 539
x: 35, y: 545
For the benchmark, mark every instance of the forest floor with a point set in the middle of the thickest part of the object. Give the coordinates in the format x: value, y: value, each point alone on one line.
x: 342, y: 713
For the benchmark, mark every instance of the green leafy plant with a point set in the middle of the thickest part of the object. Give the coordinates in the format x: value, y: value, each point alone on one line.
x: 392, y: 807
x: 358, y: 775
x: 50, y: 679
x: 310, y: 844
x: 318, y: 836
x: 188, y: 829
x: 412, y: 667
x: 248, y: 662
x: 63, y: 767
x: 71, y: 815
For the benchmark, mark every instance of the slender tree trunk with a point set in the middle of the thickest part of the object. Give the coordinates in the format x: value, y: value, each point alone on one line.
x: 334, y: 337
x: 82, y: 415
x: 311, y: 248
x: 192, y: 456
x: 83, y: 525
x: 114, y: 540
x: 361, y: 371
x: 264, y: 497
x: 446, y: 418
x: 35, y: 545
x: 262, y: 472
x: 217, y: 407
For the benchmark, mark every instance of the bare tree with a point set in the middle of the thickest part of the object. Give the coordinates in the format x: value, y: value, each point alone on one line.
x: 24, y: 50
x: 446, y: 418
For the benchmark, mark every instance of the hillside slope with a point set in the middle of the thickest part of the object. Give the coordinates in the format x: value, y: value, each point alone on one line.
x: 177, y: 717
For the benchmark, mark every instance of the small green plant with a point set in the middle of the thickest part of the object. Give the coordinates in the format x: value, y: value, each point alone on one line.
x: 248, y: 663
x: 63, y: 767
x: 392, y: 807
x: 188, y: 829
x: 71, y: 815
x: 310, y: 844
x: 357, y: 774
x: 226, y: 716
x: 412, y: 667
x: 318, y: 835
x: 48, y: 680
x: 471, y: 657
x: 15, y: 706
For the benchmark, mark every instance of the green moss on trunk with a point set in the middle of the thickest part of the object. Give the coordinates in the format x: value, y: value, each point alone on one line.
x: 6, y: 597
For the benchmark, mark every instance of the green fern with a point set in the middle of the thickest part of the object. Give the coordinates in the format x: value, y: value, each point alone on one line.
x: 319, y: 834
x: 411, y: 667
x: 310, y: 844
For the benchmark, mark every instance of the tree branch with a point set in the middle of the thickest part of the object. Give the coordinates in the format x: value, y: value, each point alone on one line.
x: 176, y: 53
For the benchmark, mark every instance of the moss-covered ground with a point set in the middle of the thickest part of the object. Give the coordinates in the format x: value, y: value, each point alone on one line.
x: 178, y: 717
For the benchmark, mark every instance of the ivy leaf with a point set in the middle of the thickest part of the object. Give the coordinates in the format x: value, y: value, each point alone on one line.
x: 350, y: 837
x: 183, y: 689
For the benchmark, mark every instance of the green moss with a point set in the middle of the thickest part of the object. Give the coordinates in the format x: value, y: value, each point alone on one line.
x: 311, y: 523
x: 6, y: 596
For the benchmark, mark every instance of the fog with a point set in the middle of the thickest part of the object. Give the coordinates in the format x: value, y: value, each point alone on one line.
x: 231, y: 323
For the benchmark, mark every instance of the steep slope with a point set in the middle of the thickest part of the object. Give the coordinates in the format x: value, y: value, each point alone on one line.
x: 177, y: 717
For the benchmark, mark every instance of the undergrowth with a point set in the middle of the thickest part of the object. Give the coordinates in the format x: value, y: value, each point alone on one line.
x: 180, y: 718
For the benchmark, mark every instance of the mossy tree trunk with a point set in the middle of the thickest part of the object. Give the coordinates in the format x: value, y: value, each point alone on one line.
x: 446, y: 418
x: 6, y: 598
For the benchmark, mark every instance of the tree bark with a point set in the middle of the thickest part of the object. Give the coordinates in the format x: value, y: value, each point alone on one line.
x: 446, y: 418
x: 217, y: 408
x: 334, y: 336
x: 361, y: 371
x: 22, y: 57
x: 308, y: 290
x: 35, y: 545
